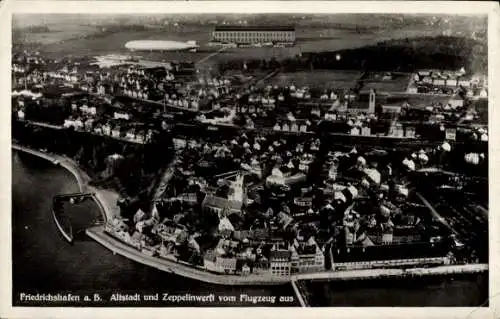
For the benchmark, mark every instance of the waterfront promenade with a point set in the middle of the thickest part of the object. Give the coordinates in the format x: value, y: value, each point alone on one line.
x: 97, y: 233
x: 106, y: 199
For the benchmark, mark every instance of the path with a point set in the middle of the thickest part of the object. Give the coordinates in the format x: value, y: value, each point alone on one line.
x: 440, y: 218
x: 167, y: 176
x: 211, y: 55
x: 183, y: 269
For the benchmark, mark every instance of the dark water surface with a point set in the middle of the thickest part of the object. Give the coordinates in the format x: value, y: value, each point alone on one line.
x: 44, y: 263
x: 457, y: 291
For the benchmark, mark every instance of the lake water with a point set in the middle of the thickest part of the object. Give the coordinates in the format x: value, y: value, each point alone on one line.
x: 44, y: 263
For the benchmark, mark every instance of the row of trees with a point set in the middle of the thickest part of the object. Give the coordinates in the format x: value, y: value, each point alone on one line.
x: 134, y: 175
x: 408, y: 54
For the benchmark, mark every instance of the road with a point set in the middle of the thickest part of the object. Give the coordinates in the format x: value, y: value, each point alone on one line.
x: 183, y: 269
x: 167, y: 175
x: 211, y: 55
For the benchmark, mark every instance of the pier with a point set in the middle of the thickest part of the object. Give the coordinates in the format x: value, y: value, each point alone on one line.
x: 298, y: 293
x: 66, y: 233
x: 63, y: 222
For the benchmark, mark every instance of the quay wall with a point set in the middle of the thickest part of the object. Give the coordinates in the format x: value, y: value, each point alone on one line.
x: 68, y: 237
x: 97, y: 233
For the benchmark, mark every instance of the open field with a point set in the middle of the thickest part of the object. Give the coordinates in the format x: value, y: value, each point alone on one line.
x: 414, y: 100
x: 318, y: 78
x: 85, y: 40
x: 398, y: 83
x: 258, y: 53
x: 86, y: 34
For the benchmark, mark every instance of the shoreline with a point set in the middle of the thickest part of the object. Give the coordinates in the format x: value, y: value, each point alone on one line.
x: 97, y: 233
x: 82, y: 179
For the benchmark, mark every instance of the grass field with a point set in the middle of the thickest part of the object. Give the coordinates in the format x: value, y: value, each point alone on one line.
x: 80, y: 35
x: 398, y: 83
x: 319, y: 78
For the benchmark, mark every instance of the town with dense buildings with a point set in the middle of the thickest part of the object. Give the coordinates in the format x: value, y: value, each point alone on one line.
x: 270, y: 175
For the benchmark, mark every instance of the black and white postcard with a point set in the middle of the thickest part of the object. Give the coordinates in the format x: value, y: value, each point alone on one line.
x: 253, y: 154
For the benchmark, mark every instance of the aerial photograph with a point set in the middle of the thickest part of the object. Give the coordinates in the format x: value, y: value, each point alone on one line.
x: 249, y: 160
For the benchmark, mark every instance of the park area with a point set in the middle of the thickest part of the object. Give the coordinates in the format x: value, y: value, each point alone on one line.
x: 319, y: 79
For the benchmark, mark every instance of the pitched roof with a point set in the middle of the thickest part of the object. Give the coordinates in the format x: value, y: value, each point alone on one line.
x: 222, y: 203
x: 225, y: 224
x: 279, y: 254
x: 389, y: 252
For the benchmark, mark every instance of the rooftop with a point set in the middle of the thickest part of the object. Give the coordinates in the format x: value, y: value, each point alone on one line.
x: 390, y: 252
x: 253, y: 28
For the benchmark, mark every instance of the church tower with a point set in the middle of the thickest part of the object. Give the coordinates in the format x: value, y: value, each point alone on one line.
x: 371, y: 103
x: 237, y: 191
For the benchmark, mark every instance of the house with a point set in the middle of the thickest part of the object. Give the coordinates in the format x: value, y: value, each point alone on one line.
x: 456, y: 102
x: 483, y: 94
x: 116, y: 132
x: 188, y: 198
x: 330, y: 116
x: 397, y: 130
x: 276, y: 177
x: 451, y: 82
x: 427, y: 79
x: 139, y: 137
x: 305, y: 162
x: 311, y: 258
x: 130, y: 134
x: 332, y: 172
x: 121, y: 115
x: 304, y: 202
x: 280, y: 260
x: 225, y: 227
x: 413, y: 90
x: 451, y: 134
x: 89, y: 124
x: 106, y: 129
x: 284, y: 220
x: 355, y: 131
x: 410, y: 131
x: 464, y: 83
x: 365, y: 131
x: 76, y: 124
x: 245, y: 269
x: 226, y: 264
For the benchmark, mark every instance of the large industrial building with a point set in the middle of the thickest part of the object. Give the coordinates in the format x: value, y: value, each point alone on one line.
x: 254, y: 34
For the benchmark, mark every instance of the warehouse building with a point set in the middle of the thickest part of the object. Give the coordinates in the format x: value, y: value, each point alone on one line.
x: 254, y: 34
